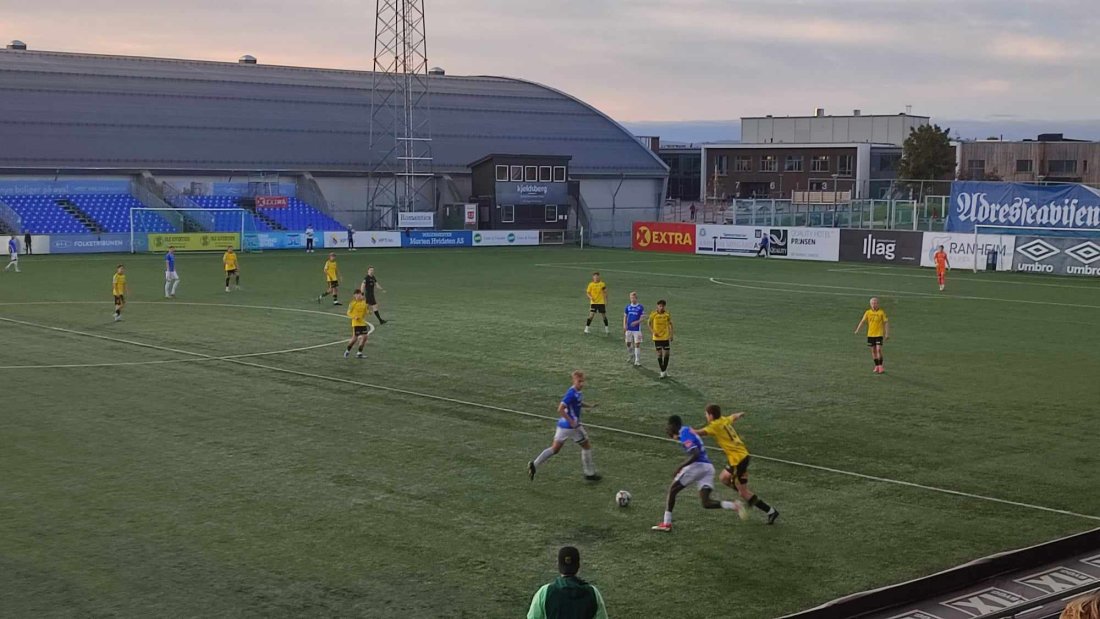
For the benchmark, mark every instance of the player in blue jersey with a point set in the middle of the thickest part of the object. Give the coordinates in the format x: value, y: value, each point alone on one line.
x: 171, y: 277
x: 570, y: 427
x: 696, y: 469
x: 13, y: 255
x: 632, y: 327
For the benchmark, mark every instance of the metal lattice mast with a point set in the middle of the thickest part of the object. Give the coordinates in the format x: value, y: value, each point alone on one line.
x: 401, y: 176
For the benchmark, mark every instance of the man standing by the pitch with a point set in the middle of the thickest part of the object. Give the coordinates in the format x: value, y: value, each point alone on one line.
x: 309, y: 238
x: 370, y: 282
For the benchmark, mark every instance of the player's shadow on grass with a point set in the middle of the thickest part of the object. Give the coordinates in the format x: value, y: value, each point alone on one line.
x: 670, y: 382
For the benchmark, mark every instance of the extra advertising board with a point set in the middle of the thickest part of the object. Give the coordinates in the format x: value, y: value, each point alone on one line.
x: 663, y: 236
x: 1057, y: 256
x: 194, y: 241
x: 881, y: 246
x: 487, y: 238
x: 272, y: 202
x: 964, y: 251
x: 437, y: 238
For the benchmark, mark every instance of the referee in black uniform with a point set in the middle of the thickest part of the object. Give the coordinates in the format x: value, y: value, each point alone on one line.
x: 370, y: 282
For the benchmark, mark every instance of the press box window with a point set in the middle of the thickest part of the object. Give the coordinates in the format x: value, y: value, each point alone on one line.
x: 545, y: 174
x: 531, y: 174
x: 517, y: 174
x: 559, y: 174
x: 502, y: 174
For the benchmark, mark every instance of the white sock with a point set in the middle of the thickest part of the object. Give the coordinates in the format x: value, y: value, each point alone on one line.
x: 544, y: 456
x: 668, y: 518
x: 175, y: 284
x: 728, y: 505
x: 638, y: 355
x: 167, y: 287
x: 586, y: 462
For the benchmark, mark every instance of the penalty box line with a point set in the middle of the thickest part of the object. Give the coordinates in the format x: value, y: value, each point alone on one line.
x: 439, y: 398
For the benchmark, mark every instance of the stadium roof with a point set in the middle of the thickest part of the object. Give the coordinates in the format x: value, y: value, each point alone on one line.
x: 77, y: 111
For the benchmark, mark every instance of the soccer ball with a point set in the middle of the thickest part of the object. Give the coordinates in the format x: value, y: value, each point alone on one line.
x: 622, y: 498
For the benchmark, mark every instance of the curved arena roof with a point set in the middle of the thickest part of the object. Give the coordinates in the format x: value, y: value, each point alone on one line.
x: 71, y: 111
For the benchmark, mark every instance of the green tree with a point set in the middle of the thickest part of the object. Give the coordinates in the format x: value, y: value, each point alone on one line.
x: 927, y: 154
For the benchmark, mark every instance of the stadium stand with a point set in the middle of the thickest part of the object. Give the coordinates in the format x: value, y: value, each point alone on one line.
x: 296, y: 216
x: 79, y: 214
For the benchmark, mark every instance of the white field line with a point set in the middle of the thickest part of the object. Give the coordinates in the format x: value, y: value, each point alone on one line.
x: 502, y: 409
x: 756, y: 285
x: 890, y: 273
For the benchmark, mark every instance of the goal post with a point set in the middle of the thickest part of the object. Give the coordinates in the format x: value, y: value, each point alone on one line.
x: 192, y: 229
x: 1007, y: 237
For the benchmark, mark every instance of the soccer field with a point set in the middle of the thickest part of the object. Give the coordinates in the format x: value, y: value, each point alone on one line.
x: 215, y: 455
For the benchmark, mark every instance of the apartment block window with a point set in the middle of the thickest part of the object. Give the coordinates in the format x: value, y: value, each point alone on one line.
x: 721, y: 164
x: 517, y: 174
x: 975, y: 166
x: 1062, y: 166
x: 819, y: 163
x: 769, y: 163
x: 559, y: 174
x: 889, y: 163
x: 793, y: 163
x: 742, y: 163
x: 1024, y: 165
x: 508, y: 213
x: 502, y: 174
x: 844, y: 165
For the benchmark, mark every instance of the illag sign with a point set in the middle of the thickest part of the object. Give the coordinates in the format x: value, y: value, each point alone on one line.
x: 1022, y: 205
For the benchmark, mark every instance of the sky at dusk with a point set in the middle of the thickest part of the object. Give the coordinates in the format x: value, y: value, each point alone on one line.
x: 1021, y: 65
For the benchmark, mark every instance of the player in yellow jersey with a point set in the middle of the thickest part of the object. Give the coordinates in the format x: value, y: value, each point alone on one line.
x: 597, y: 302
x: 660, y: 325
x: 332, y: 280
x: 357, y: 311
x: 736, y: 473
x: 119, y: 289
x: 232, y: 269
x: 878, y: 331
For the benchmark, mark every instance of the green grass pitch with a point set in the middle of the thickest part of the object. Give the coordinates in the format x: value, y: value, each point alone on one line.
x: 146, y: 474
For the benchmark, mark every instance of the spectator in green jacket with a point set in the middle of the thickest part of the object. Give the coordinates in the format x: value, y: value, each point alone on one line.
x: 568, y: 597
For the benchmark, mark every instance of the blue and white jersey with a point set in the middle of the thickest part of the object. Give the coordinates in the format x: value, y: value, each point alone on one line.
x: 13, y: 246
x: 170, y: 262
x: 634, y: 313
x: 572, y: 401
x: 690, y: 439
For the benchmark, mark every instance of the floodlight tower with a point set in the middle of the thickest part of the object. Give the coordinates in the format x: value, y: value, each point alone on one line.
x: 400, y: 154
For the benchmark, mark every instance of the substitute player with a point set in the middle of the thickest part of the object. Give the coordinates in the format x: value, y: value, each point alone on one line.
x: 332, y: 280
x: 13, y: 254
x: 660, y: 325
x: 632, y: 327
x: 232, y: 269
x: 119, y: 290
x: 370, y: 282
x: 942, y: 266
x: 878, y: 331
x: 569, y: 427
x: 357, y: 311
x: 597, y: 302
x: 696, y: 469
x: 736, y: 473
x: 171, y: 277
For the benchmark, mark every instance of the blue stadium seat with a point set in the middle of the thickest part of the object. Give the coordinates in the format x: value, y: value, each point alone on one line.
x: 42, y: 215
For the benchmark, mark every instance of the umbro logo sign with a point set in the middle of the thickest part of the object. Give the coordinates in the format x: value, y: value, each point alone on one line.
x: 1038, y: 250
x: 1085, y: 253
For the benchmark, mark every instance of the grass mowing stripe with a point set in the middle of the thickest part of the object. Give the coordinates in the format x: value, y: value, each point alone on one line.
x: 439, y: 398
x: 896, y: 293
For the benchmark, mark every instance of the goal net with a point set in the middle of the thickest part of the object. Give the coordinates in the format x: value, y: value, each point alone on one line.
x: 192, y: 229
x: 1062, y: 251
